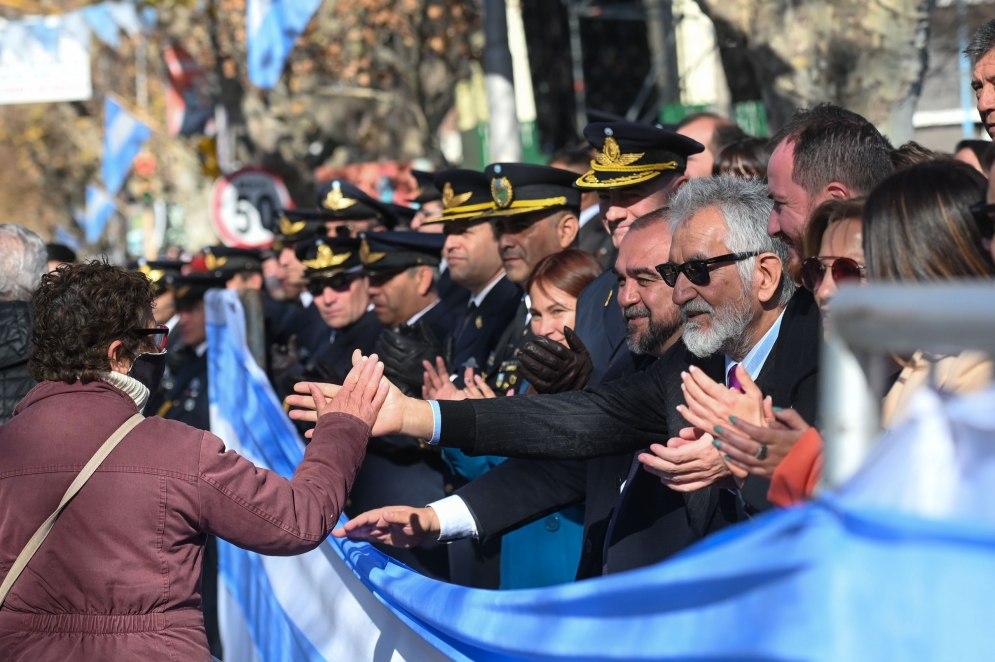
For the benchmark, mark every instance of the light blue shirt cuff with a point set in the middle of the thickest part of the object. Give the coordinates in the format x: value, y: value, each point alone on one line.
x: 436, y: 423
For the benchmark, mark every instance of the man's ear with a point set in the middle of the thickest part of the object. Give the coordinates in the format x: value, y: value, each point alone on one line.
x: 678, y: 183
x: 424, y: 280
x: 835, y: 191
x: 769, y: 273
x: 567, y: 229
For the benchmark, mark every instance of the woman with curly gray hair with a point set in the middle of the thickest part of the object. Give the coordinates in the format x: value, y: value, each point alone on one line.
x: 118, y: 575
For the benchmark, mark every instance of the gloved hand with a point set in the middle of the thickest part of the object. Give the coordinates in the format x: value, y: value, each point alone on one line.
x: 552, y: 368
x: 284, y: 357
x: 402, y: 352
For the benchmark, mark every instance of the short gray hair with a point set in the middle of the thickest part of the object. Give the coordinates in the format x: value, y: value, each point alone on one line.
x: 982, y: 42
x: 25, y: 261
x: 745, y: 207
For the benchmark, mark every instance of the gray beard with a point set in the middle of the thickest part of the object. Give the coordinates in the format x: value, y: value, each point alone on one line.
x: 727, y: 333
x: 656, y: 336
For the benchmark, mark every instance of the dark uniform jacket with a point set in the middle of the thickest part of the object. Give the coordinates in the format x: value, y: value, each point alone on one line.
x: 601, y: 326
x: 613, y: 422
x: 184, y: 392
x: 479, y: 330
x: 454, y: 297
x: 333, y: 361
x: 594, y: 239
x: 15, y: 341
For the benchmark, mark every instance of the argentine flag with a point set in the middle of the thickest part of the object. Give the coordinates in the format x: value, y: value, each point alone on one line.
x: 124, y: 136
x: 99, y: 207
x: 853, y: 577
x: 273, y: 29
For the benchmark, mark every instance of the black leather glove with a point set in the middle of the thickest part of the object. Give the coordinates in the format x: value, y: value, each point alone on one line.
x: 552, y: 368
x: 402, y: 352
x: 284, y: 357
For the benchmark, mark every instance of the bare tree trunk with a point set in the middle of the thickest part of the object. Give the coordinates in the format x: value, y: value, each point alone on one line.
x: 869, y: 57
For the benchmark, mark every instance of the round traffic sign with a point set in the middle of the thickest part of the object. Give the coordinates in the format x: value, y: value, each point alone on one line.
x: 245, y: 203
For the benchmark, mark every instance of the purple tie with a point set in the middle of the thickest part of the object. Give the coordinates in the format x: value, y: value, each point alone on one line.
x: 732, y: 379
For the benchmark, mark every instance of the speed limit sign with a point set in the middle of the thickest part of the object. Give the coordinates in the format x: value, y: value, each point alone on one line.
x: 244, y: 204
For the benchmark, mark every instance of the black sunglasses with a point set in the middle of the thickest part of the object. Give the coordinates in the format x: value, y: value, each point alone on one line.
x: 157, y: 336
x: 697, y: 271
x: 984, y: 216
x: 339, y: 282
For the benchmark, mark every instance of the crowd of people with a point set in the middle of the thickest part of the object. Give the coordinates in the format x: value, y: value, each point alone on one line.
x: 654, y: 300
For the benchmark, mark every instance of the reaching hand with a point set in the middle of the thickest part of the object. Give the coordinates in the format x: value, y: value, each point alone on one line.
x: 397, y: 526
x: 552, y: 368
x: 759, y: 450
x: 688, y: 463
x: 392, y: 413
x: 362, y: 394
x: 710, y: 405
x: 437, y: 384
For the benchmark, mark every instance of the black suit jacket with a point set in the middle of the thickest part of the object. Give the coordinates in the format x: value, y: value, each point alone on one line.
x: 478, y: 332
x: 612, y: 422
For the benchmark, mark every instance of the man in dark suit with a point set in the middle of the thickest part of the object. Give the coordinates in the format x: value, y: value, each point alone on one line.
x: 737, y: 307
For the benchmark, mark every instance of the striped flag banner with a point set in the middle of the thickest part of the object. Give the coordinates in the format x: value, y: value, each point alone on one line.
x: 833, y: 580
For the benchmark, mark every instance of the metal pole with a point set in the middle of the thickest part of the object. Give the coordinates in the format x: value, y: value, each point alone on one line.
x: 505, y: 140
x: 577, y: 60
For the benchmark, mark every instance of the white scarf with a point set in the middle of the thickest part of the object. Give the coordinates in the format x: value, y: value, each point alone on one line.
x: 136, y: 390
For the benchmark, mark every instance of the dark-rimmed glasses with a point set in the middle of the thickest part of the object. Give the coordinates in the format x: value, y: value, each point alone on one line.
x: 842, y: 268
x: 157, y: 336
x: 984, y: 216
x: 698, y: 271
x: 339, y: 282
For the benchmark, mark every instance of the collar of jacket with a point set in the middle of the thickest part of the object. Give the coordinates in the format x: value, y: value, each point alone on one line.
x: 136, y: 390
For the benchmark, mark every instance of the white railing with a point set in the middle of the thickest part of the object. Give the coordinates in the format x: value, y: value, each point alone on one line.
x: 869, y: 323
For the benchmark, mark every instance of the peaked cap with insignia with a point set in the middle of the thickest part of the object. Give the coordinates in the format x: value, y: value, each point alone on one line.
x: 394, y: 251
x: 522, y: 188
x: 465, y: 194
x: 426, y: 192
x: 226, y: 261
x: 629, y: 153
x: 326, y: 256
x: 162, y: 273
x: 338, y: 200
x: 290, y: 231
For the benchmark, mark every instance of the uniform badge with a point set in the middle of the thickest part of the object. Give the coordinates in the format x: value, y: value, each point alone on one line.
x: 502, y: 192
x: 335, y: 201
x: 479, y: 322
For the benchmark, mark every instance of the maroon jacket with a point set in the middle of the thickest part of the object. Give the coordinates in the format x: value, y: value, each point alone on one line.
x: 118, y: 578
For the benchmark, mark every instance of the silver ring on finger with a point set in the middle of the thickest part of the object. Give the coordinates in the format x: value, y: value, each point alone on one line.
x: 762, y: 452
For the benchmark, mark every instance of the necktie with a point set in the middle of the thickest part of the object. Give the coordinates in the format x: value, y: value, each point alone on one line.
x: 732, y: 380
x: 467, y: 320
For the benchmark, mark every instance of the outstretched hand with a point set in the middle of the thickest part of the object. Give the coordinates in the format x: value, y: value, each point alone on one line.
x: 362, y: 393
x: 397, y: 526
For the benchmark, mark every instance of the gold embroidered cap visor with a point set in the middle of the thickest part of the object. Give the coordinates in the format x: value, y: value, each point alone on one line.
x: 628, y: 153
x: 464, y: 199
x: 328, y: 255
x: 510, y: 200
x: 394, y: 251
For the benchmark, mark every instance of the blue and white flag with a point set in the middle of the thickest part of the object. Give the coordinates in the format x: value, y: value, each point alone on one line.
x: 99, y: 18
x: 124, y: 136
x: 273, y: 27
x: 99, y: 207
x: 835, y: 580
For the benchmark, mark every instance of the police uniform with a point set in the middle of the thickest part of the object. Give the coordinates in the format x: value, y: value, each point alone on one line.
x: 327, y: 257
x: 467, y: 195
x: 454, y: 297
x: 628, y: 154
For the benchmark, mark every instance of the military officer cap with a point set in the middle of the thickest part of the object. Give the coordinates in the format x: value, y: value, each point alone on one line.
x: 466, y: 194
x: 426, y: 192
x: 327, y: 256
x: 226, y: 261
x: 394, y: 251
x: 191, y: 287
x: 522, y: 188
x: 162, y: 273
x: 629, y: 153
x: 289, y: 232
x: 338, y: 200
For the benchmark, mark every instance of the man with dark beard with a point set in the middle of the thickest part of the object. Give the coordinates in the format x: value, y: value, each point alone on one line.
x: 721, y: 254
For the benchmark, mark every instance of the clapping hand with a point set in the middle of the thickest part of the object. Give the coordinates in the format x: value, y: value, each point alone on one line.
x: 688, y: 463
x: 437, y: 385
x: 758, y: 450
